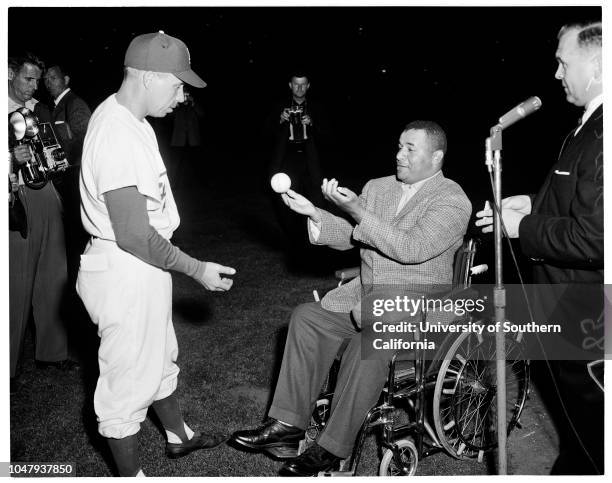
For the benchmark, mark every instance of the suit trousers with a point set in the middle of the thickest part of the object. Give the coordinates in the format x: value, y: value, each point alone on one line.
x: 38, y: 278
x: 313, y: 341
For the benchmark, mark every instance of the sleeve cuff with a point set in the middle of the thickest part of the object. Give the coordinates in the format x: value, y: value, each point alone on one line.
x: 314, y: 230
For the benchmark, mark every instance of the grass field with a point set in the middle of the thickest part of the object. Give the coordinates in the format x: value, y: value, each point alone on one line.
x: 230, y: 348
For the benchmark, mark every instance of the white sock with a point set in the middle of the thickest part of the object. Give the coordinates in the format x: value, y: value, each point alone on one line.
x: 173, y: 438
x: 188, y: 431
x: 140, y: 474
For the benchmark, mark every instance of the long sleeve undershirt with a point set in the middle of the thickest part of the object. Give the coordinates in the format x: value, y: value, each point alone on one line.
x: 127, y: 209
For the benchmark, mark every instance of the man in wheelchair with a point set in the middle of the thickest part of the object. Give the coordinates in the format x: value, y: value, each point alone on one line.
x: 408, y: 227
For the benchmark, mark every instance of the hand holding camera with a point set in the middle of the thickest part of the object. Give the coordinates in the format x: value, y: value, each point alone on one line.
x: 285, y: 116
x: 22, y: 154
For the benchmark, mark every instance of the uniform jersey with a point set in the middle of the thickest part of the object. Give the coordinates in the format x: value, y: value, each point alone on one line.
x: 120, y: 151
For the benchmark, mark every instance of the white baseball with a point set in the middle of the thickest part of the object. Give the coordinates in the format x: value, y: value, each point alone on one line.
x: 280, y: 182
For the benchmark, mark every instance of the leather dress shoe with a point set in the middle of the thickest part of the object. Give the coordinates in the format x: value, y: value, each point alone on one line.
x: 65, y: 365
x: 279, y: 439
x: 311, y: 462
x: 198, y: 441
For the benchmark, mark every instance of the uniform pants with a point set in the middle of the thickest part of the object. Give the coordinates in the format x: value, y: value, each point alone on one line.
x: 314, y: 338
x: 37, y: 277
x: 584, y: 402
x: 131, y: 303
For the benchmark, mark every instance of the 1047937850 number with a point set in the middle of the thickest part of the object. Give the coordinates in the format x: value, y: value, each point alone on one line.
x: 42, y: 469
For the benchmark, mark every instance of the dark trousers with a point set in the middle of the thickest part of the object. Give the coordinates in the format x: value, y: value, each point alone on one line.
x: 581, y: 454
x: 314, y: 338
x: 37, y: 277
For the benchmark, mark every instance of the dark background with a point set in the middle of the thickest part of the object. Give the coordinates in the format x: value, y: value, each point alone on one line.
x: 375, y: 69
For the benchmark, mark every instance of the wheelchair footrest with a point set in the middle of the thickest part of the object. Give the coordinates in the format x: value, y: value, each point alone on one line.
x: 402, y: 376
x: 283, y: 452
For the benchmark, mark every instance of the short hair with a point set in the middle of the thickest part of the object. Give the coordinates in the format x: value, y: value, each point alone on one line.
x: 17, y: 62
x: 589, y: 34
x: 435, y: 134
x: 56, y: 65
x: 298, y: 73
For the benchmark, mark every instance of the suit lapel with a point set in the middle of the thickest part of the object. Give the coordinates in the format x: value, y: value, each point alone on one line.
x: 423, y: 193
x: 391, y: 199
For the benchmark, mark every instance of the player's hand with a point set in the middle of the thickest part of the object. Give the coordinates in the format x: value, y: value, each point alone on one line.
x: 513, y: 210
x: 343, y: 198
x: 300, y: 204
x: 22, y: 154
x: 212, y: 279
x: 284, y: 117
x: 306, y: 120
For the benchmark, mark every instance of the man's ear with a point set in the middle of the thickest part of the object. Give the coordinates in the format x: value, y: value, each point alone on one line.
x: 66, y: 80
x: 597, y: 68
x: 11, y: 74
x: 147, y: 78
x: 438, y: 156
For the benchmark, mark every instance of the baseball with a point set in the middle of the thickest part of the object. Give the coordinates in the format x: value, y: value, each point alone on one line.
x: 280, y: 182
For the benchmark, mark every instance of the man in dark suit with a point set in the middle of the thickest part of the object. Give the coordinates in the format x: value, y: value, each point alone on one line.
x: 298, y: 129
x: 69, y: 115
x: 561, y: 230
x: 408, y: 226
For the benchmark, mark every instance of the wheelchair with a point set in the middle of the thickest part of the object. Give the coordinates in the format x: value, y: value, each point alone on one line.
x: 446, y: 404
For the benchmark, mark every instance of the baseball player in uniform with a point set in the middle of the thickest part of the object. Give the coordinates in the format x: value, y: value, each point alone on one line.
x: 124, y: 281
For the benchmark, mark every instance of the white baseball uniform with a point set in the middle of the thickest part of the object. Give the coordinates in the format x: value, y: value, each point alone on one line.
x: 129, y: 300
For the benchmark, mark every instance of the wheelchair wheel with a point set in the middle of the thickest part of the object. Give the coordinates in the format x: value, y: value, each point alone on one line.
x: 409, y: 460
x: 465, y: 402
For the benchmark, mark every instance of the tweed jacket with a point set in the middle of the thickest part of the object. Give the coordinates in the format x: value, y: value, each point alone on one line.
x: 416, y: 247
x: 564, y: 232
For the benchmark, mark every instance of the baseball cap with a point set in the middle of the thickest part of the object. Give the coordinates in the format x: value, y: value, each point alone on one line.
x: 158, y: 52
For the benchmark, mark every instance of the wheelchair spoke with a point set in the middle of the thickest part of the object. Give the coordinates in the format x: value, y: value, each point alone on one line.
x: 465, y: 395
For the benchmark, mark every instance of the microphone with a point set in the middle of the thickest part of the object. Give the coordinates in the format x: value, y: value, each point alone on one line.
x: 519, y: 112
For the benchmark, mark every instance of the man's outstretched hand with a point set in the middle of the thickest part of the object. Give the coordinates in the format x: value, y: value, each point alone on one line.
x: 212, y: 279
x: 300, y: 204
x: 343, y: 198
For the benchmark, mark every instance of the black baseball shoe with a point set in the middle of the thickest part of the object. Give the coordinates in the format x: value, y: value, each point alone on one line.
x: 312, y: 461
x: 198, y: 441
x: 276, y: 438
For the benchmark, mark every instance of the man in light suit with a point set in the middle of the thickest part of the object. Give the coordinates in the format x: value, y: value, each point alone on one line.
x: 408, y: 227
x: 561, y: 229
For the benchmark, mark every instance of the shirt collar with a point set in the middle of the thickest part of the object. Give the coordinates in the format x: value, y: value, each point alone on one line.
x: 591, y: 107
x: 59, y: 98
x: 417, y: 186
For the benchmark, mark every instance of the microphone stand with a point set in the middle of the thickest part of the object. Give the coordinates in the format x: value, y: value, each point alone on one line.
x: 494, y: 163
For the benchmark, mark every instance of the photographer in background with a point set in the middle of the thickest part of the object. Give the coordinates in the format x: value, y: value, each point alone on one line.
x: 69, y: 116
x: 186, y: 142
x: 37, y: 263
x: 298, y: 126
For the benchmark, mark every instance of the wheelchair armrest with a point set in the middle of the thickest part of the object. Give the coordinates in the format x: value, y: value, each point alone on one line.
x: 345, y: 274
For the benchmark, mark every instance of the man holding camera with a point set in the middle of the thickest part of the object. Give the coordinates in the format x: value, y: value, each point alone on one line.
x: 37, y: 262
x: 298, y: 127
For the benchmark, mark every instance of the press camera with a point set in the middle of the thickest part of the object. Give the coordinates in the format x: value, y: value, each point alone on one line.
x: 48, y: 158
